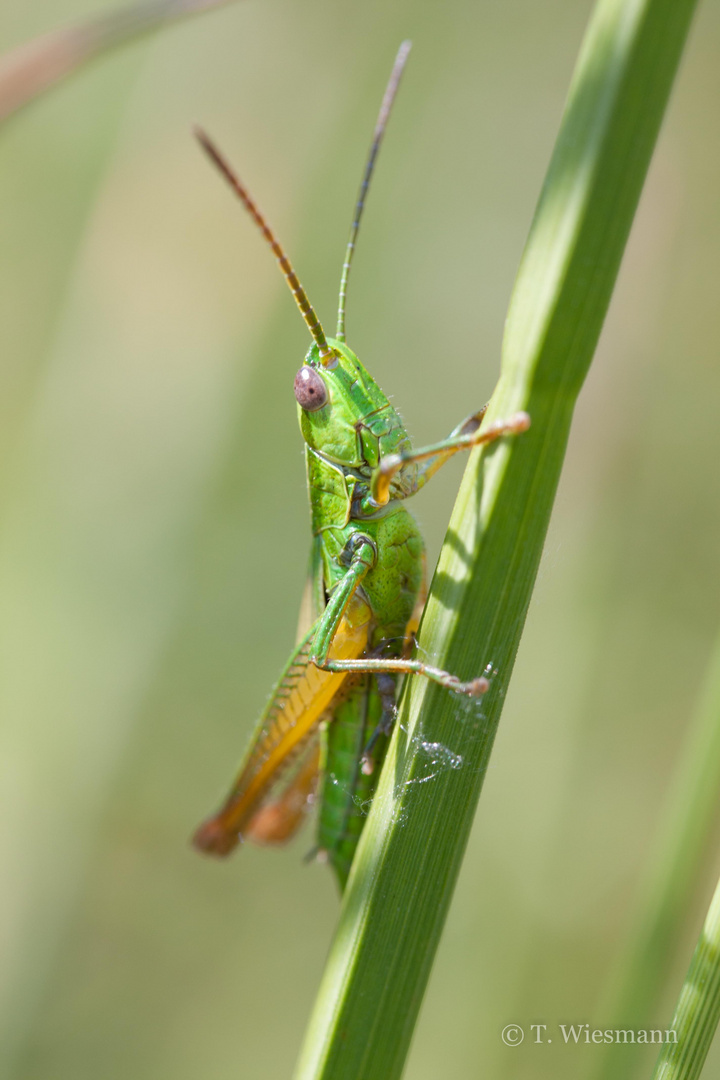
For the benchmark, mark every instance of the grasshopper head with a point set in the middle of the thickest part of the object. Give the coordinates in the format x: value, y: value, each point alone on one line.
x: 343, y: 413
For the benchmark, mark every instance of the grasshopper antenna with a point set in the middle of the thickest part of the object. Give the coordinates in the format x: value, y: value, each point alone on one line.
x: 380, y: 125
x: 306, y: 309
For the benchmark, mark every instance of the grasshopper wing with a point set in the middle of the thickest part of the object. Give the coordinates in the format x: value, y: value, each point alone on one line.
x: 290, y: 719
x: 278, y: 820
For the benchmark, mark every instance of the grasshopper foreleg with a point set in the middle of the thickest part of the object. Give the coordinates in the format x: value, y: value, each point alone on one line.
x: 432, y: 458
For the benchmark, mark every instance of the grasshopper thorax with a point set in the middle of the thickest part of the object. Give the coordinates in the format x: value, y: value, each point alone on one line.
x: 355, y: 425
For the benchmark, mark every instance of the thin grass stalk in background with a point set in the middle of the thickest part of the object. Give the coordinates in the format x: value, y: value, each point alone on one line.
x: 409, y: 856
x: 698, y: 1008
x: 671, y: 880
x: 31, y: 69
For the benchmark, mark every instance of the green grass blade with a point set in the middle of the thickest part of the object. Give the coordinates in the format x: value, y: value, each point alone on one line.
x: 698, y: 1008
x: 410, y: 853
x: 672, y: 879
x: 37, y: 66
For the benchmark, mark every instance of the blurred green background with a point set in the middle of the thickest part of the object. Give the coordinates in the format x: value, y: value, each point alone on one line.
x: 154, y: 528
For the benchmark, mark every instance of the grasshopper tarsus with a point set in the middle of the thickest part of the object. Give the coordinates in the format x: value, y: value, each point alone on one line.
x: 476, y: 687
x: 471, y: 425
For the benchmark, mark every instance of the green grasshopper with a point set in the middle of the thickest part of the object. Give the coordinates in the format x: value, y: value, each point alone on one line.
x: 329, y: 717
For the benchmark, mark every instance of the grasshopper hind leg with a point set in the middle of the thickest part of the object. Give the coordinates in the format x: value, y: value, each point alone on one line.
x: 387, y: 689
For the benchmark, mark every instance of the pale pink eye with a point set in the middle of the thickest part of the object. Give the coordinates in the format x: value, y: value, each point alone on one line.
x: 310, y: 390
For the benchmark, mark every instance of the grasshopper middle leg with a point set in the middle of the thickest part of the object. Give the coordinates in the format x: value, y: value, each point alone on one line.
x: 362, y: 557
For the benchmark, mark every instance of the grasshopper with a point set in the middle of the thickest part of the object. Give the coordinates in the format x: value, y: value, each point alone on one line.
x: 328, y: 719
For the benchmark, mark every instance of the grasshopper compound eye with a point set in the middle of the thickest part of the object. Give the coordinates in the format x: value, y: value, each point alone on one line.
x: 310, y: 390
